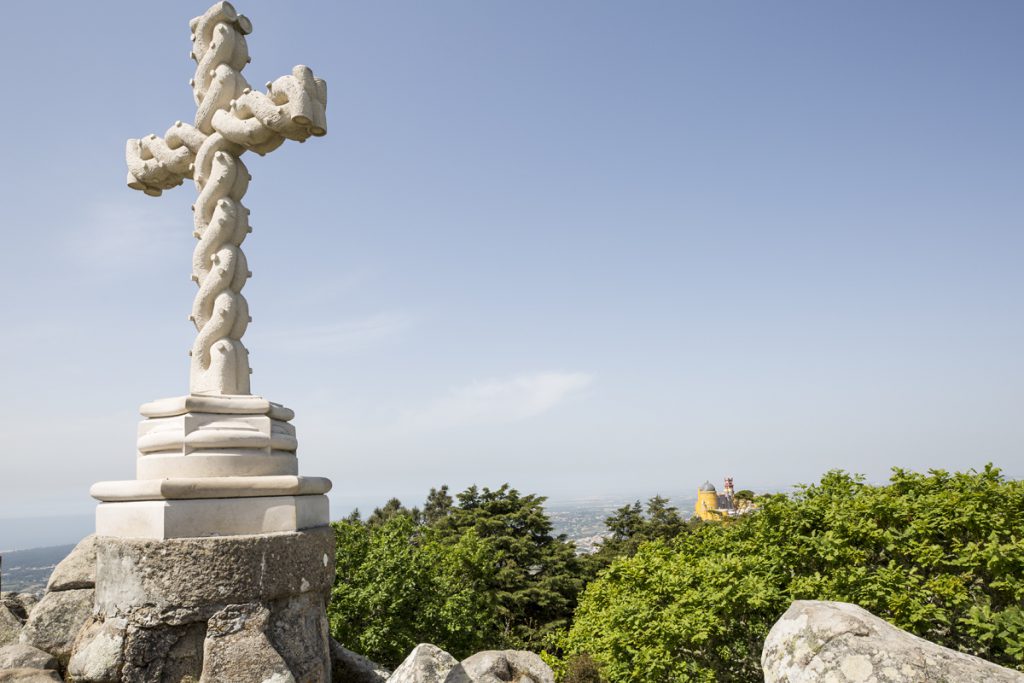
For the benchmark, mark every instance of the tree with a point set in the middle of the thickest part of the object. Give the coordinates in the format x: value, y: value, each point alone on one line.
x: 486, y: 573
x: 744, y: 494
x: 390, y: 509
x: 437, y: 506
x: 940, y: 555
x: 398, y: 585
x: 628, y: 527
x: 538, y: 577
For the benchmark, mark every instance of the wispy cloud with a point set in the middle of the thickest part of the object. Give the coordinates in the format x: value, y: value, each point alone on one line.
x: 499, y: 400
x: 343, y: 336
x: 122, y: 236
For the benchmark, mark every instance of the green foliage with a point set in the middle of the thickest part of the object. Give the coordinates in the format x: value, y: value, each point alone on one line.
x: 398, y: 585
x: 537, y: 576
x: 628, y: 527
x: 744, y: 494
x: 483, y: 574
x: 940, y: 555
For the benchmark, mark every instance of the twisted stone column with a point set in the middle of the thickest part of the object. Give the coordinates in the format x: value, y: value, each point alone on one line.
x: 230, y: 119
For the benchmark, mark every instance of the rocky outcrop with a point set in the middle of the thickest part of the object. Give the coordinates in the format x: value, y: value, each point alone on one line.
x: 349, y: 667
x: 842, y: 643
x: 29, y: 676
x: 21, y: 656
x: 495, y: 666
x: 430, y: 664
x: 53, y: 624
x: 234, y: 608
x: 10, y: 625
x: 56, y: 620
x: 14, y: 610
x: 425, y: 664
x: 98, y: 652
x: 237, y: 648
x: 77, y: 570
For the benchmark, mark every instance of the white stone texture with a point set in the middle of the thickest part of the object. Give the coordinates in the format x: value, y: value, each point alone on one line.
x: 497, y: 666
x: 98, y: 653
x: 425, y: 664
x: 836, y: 642
x: 230, y: 119
x: 203, y: 517
x: 219, y: 461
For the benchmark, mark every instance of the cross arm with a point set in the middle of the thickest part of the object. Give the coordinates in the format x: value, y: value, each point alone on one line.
x: 293, y: 108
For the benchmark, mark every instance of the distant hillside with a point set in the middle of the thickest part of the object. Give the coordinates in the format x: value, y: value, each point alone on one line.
x: 22, y: 533
x: 29, y: 570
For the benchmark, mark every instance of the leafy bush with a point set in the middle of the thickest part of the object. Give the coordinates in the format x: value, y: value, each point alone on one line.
x: 940, y: 555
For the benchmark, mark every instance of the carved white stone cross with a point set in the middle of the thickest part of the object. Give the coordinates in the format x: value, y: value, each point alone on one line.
x: 230, y: 119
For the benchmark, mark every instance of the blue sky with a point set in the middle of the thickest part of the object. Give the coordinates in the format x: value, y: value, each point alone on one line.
x: 583, y: 247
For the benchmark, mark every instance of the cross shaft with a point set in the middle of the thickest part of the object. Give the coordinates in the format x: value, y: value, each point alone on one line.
x: 230, y: 119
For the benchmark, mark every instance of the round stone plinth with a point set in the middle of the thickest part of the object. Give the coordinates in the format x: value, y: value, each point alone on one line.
x: 192, y: 572
x: 234, y: 608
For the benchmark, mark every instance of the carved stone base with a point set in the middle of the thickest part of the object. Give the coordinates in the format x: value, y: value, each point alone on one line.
x: 213, y: 466
x: 241, y: 608
x: 170, y: 519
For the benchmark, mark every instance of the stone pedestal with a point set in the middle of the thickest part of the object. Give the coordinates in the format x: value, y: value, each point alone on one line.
x: 237, y: 608
x: 213, y: 466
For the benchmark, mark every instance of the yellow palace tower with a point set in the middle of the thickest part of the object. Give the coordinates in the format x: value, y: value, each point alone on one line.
x: 711, y: 505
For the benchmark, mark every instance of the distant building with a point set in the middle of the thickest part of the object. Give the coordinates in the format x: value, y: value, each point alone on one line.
x: 714, y: 505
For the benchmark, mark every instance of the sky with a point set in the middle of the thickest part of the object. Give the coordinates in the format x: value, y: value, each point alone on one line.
x: 588, y: 248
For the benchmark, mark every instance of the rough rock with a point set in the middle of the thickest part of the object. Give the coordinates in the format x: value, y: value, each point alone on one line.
x: 163, y: 653
x: 836, y: 642
x: 22, y: 656
x: 77, y: 570
x: 237, y: 648
x: 98, y: 651
x: 197, y: 573
x: 56, y: 620
x: 29, y: 676
x: 298, y: 630
x: 10, y: 626
x: 20, y: 604
x: 495, y: 666
x: 349, y: 667
x: 425, y: 664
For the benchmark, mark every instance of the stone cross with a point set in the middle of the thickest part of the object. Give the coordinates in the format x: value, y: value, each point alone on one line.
x: 230, y: 119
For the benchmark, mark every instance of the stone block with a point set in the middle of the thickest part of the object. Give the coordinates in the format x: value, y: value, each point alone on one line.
x: 237, y: 649
x: 210, y: 432
x: 223, y: 464
x: 299, y: 632
x: 174, y: 519
x: 194, y: 573
x: 836, y: 641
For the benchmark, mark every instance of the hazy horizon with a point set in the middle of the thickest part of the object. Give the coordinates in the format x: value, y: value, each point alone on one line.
x: 582, y: 247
